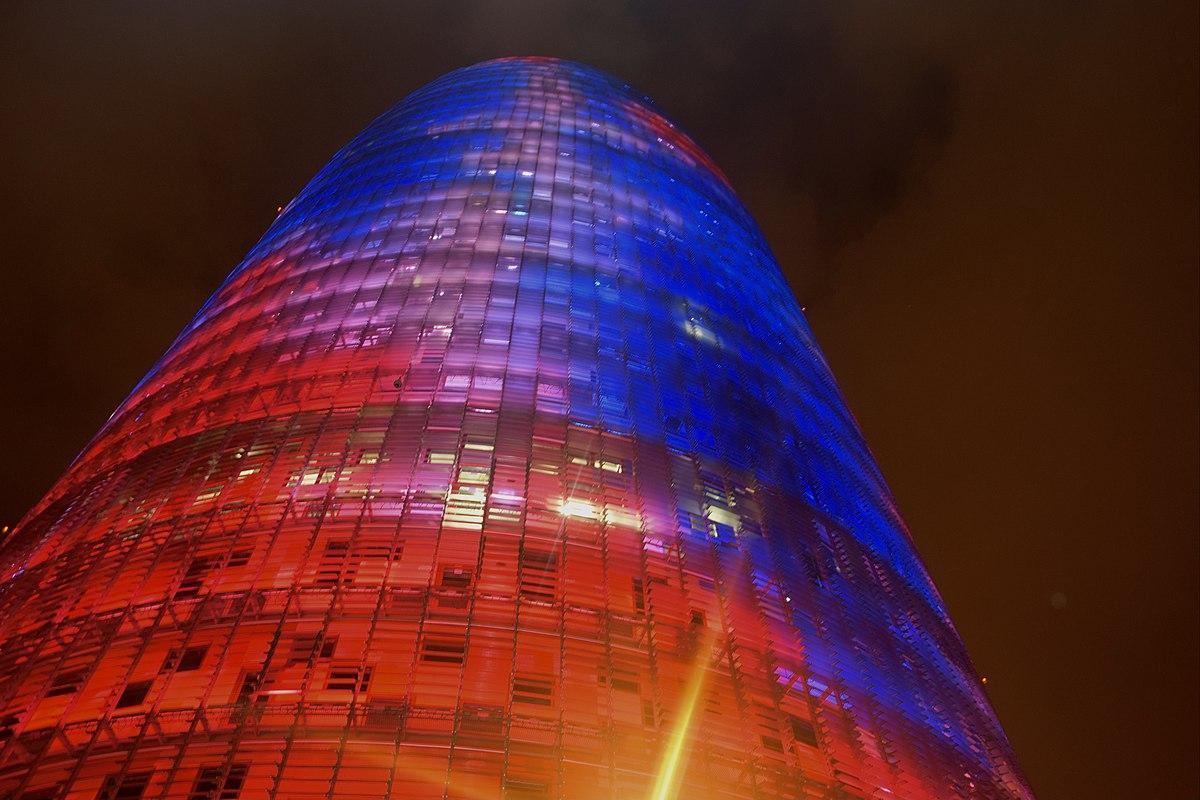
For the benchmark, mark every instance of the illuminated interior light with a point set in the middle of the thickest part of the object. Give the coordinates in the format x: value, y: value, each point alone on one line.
x: 699, y: 332
x: 500, y: 511
x: 204, y: 497
x: 722, y: 517
x: 615, y: 515
x: 474, y: 474
x: 578, y: 508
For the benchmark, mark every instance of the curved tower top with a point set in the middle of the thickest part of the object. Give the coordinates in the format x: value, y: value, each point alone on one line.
x: 502, y: 465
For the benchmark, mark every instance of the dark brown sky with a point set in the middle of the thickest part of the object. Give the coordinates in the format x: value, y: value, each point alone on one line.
x: 990, y: 210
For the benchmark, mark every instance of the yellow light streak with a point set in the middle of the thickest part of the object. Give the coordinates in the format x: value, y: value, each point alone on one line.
x: 675, y: 757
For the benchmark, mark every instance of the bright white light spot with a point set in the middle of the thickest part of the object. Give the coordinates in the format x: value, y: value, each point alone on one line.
x: 698, y: 331
x: 579, y: 508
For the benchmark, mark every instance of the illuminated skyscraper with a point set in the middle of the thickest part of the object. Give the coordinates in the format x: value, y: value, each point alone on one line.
x: 504, y: 465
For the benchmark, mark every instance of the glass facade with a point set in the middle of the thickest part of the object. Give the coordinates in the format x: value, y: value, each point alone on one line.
x: 504, y: 466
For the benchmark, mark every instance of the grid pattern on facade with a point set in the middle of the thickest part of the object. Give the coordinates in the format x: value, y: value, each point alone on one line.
x: 505, y: 454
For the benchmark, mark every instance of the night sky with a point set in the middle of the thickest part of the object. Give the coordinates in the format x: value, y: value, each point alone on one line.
x: 989, y: 210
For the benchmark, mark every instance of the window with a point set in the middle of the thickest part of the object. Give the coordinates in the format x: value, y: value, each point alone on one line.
x: 186, y: 660
x: 249, y: 687
x: 348, y: 678
x: 67, y: 682
x: 539, y: 574
x: 304, y: 648
x: 804, y: 731
x: 192, y: 658
x: 648, y: 719
x: 134, y: 695
x: 329, y: 572
x: 213, y: 783
x: 444, y: 650
x: 455, y: 578
x: 193, y: 579
x: 622, y: 680
x: 128, y: 787
x: 533, y: 691
x: 366, y: 561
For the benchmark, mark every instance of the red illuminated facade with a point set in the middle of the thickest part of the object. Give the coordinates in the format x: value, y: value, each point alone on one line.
x: 504, y: 466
